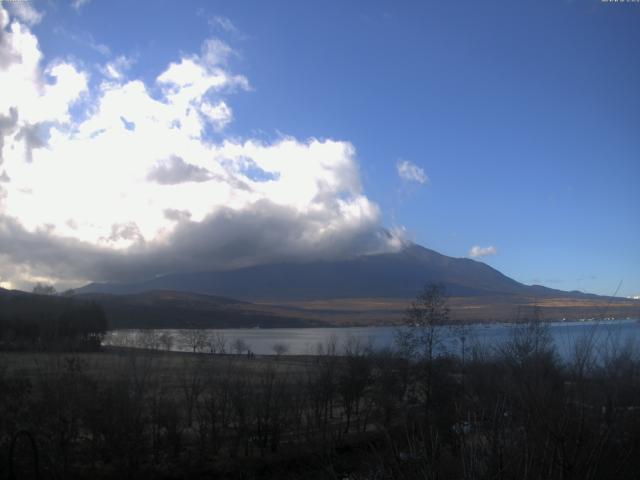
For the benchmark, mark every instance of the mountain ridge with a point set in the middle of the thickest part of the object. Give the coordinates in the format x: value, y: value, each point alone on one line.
x: 399, y: 275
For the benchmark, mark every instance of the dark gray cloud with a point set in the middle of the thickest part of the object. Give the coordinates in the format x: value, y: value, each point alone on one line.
x: 34, y: 136
x: 7, y: 126
x: 175, y: 170
x: 177, y: 215
x: 125, y: 231
x: 262, y: 233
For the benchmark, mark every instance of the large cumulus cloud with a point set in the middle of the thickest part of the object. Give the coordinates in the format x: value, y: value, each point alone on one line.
x: 135, y: 185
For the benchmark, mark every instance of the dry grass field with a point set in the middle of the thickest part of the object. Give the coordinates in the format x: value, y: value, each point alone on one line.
x: 169, y: 366
x: 389, y: 311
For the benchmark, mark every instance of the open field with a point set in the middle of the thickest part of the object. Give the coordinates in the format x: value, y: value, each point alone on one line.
x: 171, y: 366
x: 390, y: 311
x: 129, y: 413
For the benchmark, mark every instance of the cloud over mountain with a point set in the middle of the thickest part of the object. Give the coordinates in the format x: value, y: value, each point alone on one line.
x: 477, y: 251
x: 115, y: 178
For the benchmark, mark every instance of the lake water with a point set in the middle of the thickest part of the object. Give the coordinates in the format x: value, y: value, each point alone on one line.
x: 603, y: 335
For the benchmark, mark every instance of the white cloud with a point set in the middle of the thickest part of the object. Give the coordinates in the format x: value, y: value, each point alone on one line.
x: 223, y: 23
x: 219, y: 115
x: 137, y: 188
x: 224, y: 26
x: 477, y: 251
x: 116, y: 68
x: 84, y: 39
x: 26, y: 12
x: 38, y: 94
x: 216, y: 52
x: 399, y: 237
x: 99, y: 47
x: 78, y: 4
x: 410, y: 172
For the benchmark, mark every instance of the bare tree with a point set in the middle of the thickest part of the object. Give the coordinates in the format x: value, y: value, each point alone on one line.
x: 148, y: 339
x: 355, y: 346
x: 166, y: 340
x: 217, y: 343
x: 329, y: 348
x: 429, y: 311
x: 353, y: 378
x: 422, y: 335
x: 192, y: 384
x: 280, y: 348
x: 530, y: 339
x: 194, y: 338
x: 239, y: 345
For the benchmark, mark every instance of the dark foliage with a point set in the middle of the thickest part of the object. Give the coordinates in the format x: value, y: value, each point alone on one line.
x: 365, y: 415
x: 512, y: 412
x: 47, y: 322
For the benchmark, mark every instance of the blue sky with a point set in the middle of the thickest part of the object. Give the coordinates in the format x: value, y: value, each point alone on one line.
x: 524, y: 116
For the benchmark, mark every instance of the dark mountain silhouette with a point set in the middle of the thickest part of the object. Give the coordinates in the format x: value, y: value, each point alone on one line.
x: 173, y: 309
x: 153, y: 309
x: 389, y: 275
x: 366, y: 290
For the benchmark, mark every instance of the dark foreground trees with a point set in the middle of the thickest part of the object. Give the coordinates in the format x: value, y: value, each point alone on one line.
x: 512, y: 413
x: 37, y: 322
x: 348, y: 412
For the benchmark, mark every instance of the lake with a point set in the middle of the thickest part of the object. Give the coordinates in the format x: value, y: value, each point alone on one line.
x: 603, y: 335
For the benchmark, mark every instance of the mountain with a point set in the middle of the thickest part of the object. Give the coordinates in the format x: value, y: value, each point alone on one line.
x: 365, y: 290
x: 388, y: 275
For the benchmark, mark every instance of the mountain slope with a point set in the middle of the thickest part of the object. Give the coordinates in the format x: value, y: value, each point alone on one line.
x: 173, y: 309
x: 397, y: 275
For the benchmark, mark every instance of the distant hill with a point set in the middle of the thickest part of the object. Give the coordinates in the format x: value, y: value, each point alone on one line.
x: 30, y: 321
x: 174, y: 309
x: 389, y: 275
x: 16, y: 304
x: 155, y: 309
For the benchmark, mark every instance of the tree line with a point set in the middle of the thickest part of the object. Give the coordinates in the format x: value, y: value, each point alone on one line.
x: 33, y: 322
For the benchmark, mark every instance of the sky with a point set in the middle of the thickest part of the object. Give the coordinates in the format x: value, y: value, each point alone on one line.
x: 144, y: 138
